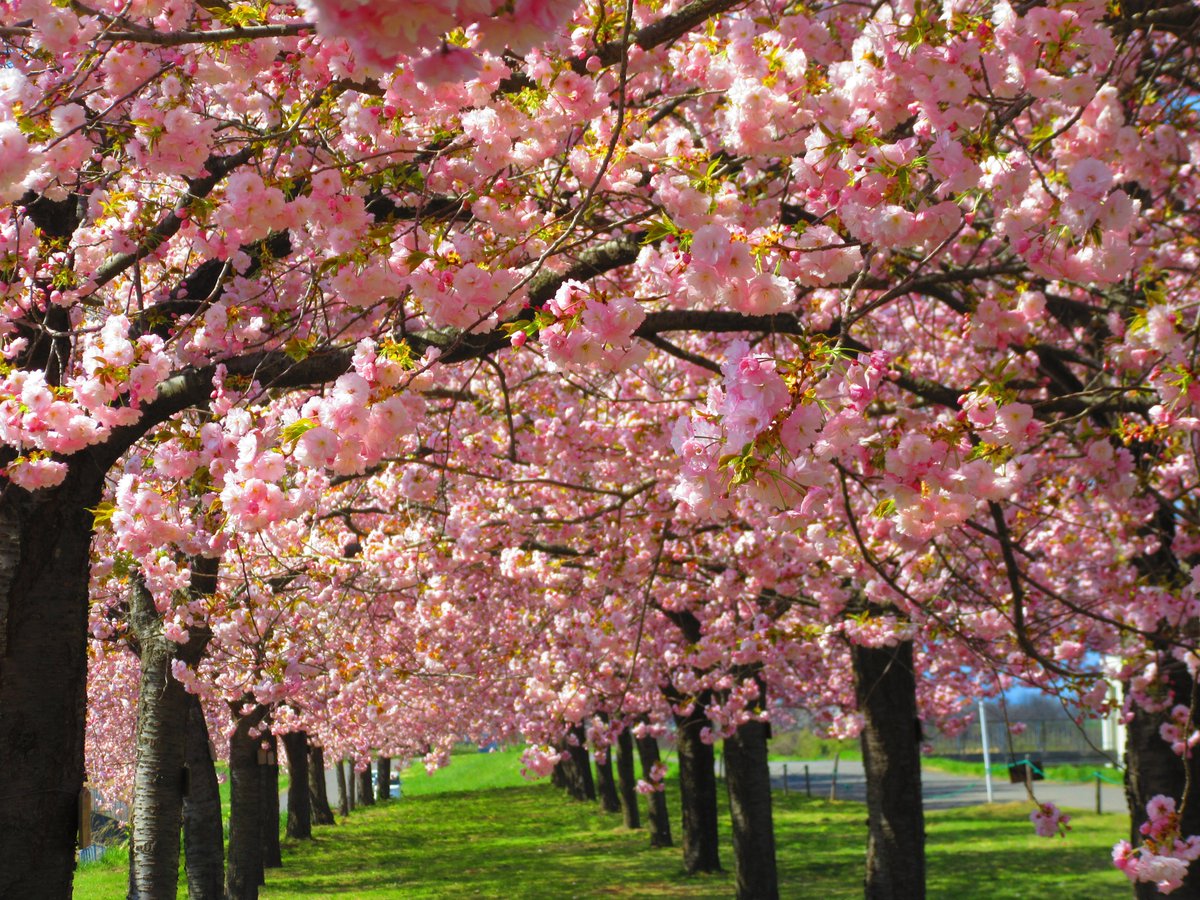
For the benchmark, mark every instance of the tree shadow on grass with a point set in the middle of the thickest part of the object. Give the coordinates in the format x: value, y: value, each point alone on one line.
x: 516, y: 844
x: 534, y: 844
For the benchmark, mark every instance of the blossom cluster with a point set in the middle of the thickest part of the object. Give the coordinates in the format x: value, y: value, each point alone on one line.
x: 1164, y: 855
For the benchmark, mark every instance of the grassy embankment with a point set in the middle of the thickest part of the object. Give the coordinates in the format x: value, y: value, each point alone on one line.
x: 447, y: 839
x: 1000, y: 770
x: 803, y: 746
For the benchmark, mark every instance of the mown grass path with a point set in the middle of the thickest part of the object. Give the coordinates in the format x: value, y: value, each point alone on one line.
x: 445, y: 841
x: 531, y: 842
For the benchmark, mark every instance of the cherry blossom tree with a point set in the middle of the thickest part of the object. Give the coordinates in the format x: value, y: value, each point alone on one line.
x: 927, y: 267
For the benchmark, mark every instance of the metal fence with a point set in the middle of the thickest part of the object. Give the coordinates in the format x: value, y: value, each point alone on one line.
x: 1057, y: 740
x: 91, y: 853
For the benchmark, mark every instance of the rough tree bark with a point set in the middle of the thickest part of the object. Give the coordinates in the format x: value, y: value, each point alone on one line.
x: 697, y: 778
x: 203, y: 834
x: 353, y: 785
x: 885, y: 688
x: 272, y: 854
x: 383, y: 775
x: 697, y: 790
x: 606, y: 787
x: 160, y: 775
x: 45, y: 540
x: 748, y: 779
x: 343, y: 795
x: 1151, y: 768
x: 244, y: 871
x: 626, y: 780
x: 577, y: 768
x: 299, y: 810
x: 656, y: 801
x: 365, y: 795
x: 318, y: 794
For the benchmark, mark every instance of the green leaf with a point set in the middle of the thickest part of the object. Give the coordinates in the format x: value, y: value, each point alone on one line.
x: 102, y: 513
x: 884, y: 508
x: 511, y: 328
x: 659, y: 229
x: 397, y: 351
x: 415, y: 258
x: 292, y: 433
x: 300, y: 348
x: 123, y: 564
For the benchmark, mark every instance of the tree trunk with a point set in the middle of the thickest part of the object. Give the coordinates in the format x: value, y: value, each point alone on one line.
x: 558, y: 775
x: 158, y: 774
x: 243, y: 873
x: 748, y: 778
x: 353, y: 785
x: 342, y: 794
x: 365, y: 794
x: 1151, y: 768
x: 577, y: 768
x: 885, y: 689
x: 318, y: 794
x: 272, y: 853
x: 45, y: 539
x: 698, y: 792
x: 131, y: 889
x: 203, y: 836
x: 299, y: 810
x: 383, y: 775
x: 606, y: 787
x: 626, y: 781
x: 656, y: 801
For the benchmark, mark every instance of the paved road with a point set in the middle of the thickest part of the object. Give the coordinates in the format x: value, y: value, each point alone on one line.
x: 943, y: 791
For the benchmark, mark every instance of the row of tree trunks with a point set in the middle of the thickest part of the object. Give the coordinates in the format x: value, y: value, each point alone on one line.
x: 203, y: 833
x: 165, y: 764
x: 366, y: 790
x: 889, y: 732
x: 318, y: 793
x: 383, y: 777
x: 366, y: 796
x: 748, y: 780
x: 697, y: 790
x: 158, y: 787
x: 885, y: 689
x: 606, y: 786
x: 697, y: 775
x: 577, y: 767
x: 660, y: 822
x: 626, y: 781
x: 272, y: 853
x: 343, y: 795
x: 244, y: 871
x: 299, y: 811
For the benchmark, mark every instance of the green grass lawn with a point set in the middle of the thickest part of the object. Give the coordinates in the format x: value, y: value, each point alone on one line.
x: 1000, y: 770
x: 805, y: 746
x: 466, y: 772
x: 531, y: 842
x: 443, y: 840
